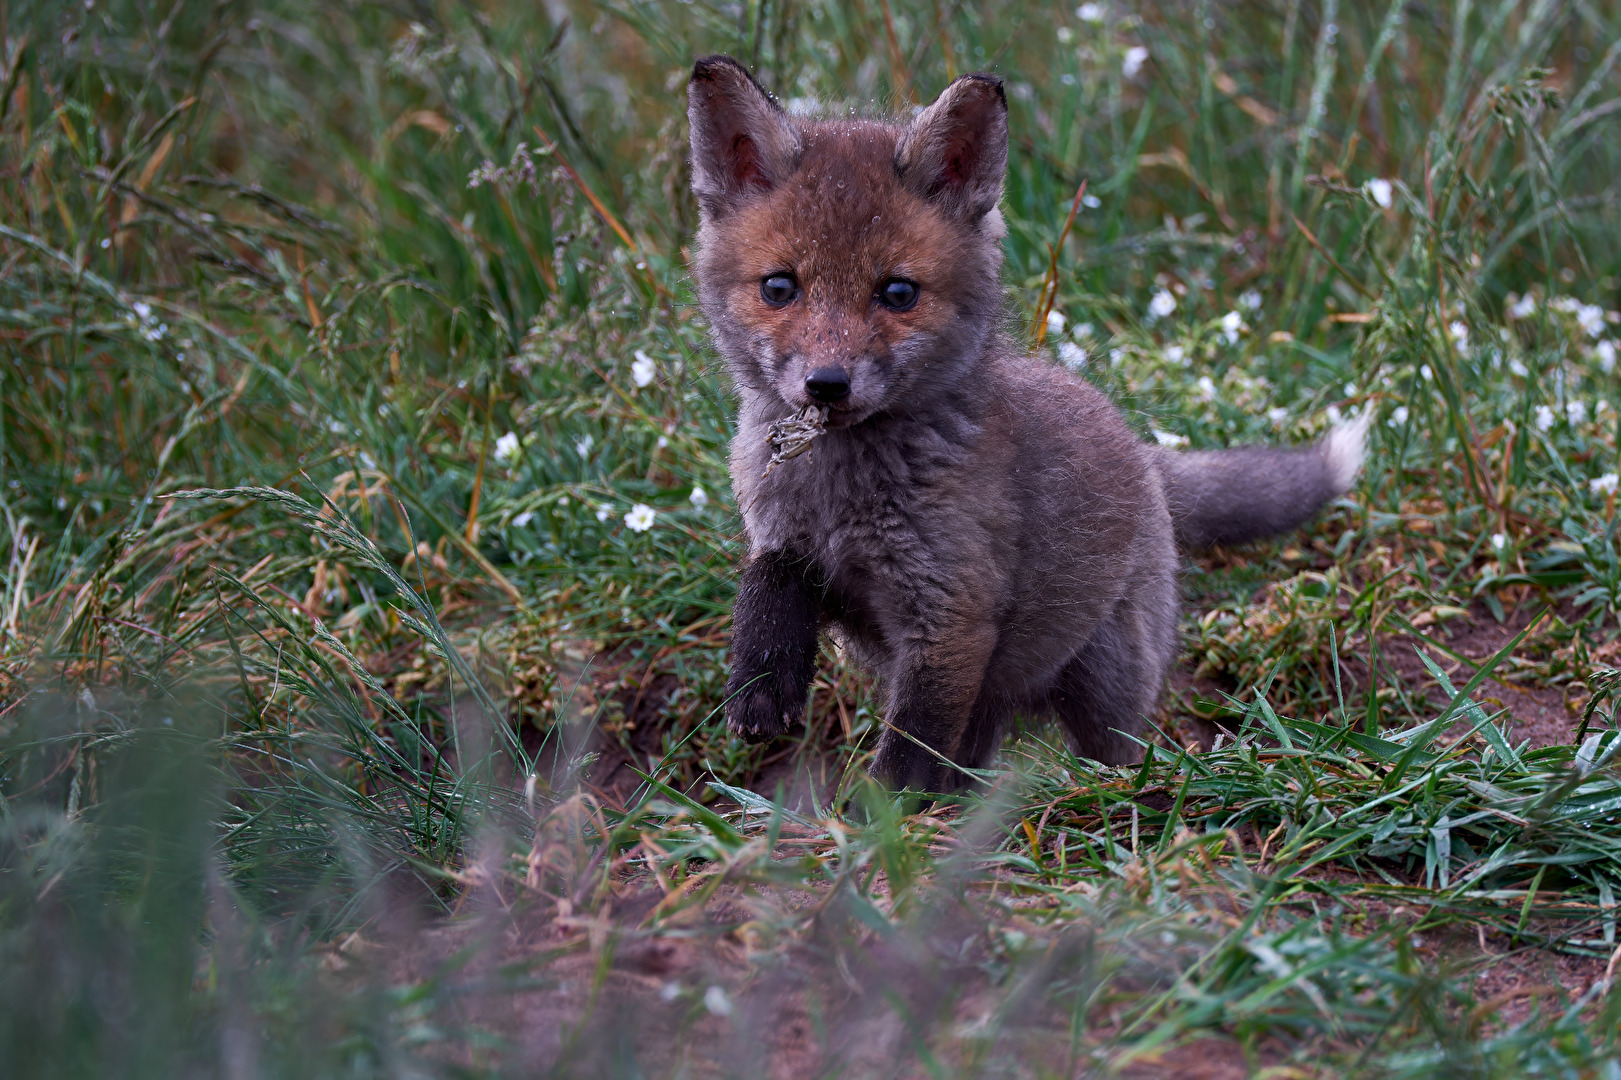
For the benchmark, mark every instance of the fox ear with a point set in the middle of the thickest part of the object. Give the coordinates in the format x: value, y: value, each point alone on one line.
x: 955, y: 152
x: 742, y: 141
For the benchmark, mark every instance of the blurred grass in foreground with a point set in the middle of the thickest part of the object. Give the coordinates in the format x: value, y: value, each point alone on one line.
x: 292, y: 767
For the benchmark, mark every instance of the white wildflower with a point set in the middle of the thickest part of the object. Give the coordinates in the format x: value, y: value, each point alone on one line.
x: 1161, y: 305
x: 1092, y: 13
x: 1544, y: 418
x: 604, y: 512
x: 640, y: 518
x: 1250, y: 299
x: 1459, y: 333
x: 1567, y: 304
x: 1071, y: 355
x: 1116, y: 355
x: 583, y: 444
x: 643, y: 370
x: 1166, y: 438
x: 716, y: 1001
x: 1499, y: 541
x: 1604, y: 352
x: 1603, y: 409
x: 1207, y: 388
x: 1232, y: 324
x: 1176, y: 354
x: 1136, y: 57
x: 1277, y: 415
x: 1590, y: 317
x: 670, y: 991
x: 1576, y: 413
x: 1425, y: 372
x: 1381, y: 191
x: 1083, y: 330
x: 1333, y: 414
x: 1065, y: 35
x: 1517, y: 366
x: 1523, y: 308
x: 699, y: 497
x: 1091, y: 202
x: 1056, y: 322
x: 1398, y: 416
x: 523, y: 519
x: 1603, y: 485
x: 506, y: 448
x: 661, y: 442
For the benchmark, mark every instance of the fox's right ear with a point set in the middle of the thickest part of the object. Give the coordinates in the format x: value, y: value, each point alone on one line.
x: 742, y: 142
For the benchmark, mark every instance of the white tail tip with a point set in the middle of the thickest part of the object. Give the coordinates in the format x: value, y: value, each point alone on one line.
x: 1343, y: 450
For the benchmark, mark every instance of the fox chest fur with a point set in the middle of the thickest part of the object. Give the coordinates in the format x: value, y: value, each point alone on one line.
x: 981, y: 528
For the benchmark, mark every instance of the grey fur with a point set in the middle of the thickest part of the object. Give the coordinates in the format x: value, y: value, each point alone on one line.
x: 980, y: 528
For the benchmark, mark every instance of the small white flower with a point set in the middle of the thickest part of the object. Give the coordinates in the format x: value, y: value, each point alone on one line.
x: 367, y: 461
x: 1517, y: 366
x: 1064, y: 35
x: 643, y: 370
x: 1071, y: 355
x: 1459, y: 333
x: 1207, y: 388
x: 699, y: 497
x: 1426, y: 372
x: 583, y: 444
x: 1176, y: 354
x: 1544, y: 418
x: 1398, y: 416
x: 1590, y: 317
x: 1277, y: 415
x: 1333, y: 414
x: 1250, y: 299
x: 1603, y: 409
x: 1136, y: 57
x: 523, y: 519
x: 1091, y: 202
x: 1161, y: 305
x: 1092, y: 13
x: 1116, y: 355
x: 670, y: 991
x: 661, y: 442
x: 1232, y: 324
x: 604, y: 512
x: 143, y: 310
x: 1056, y: 322
x: 1381, y: 191
x: 716, y: 1001
x: 1567, y: 304
x: 1083, y: 330
x: 1576, y: 413
x: 1166, y: 438
x: 640, y: 518
x: 1604, y: 351
x: 1603, y: 485
x: 506, y: 448
x: 1499, y: 541
x: 1523, y: 308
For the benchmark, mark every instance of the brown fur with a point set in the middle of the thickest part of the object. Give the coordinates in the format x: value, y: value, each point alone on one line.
x: 981, y: 528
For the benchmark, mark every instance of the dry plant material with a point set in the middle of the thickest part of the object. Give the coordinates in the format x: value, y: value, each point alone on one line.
x: 793, y: 436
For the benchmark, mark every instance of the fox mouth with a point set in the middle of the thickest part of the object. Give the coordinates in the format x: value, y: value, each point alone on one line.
x: 844, y: 415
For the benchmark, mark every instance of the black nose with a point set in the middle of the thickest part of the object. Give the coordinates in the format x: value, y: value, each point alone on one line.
x: 828, y: 384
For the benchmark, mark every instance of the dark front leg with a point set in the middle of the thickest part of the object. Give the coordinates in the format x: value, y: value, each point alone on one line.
x: 773, y: 646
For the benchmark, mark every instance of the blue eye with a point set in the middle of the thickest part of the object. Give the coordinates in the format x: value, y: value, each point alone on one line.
x: 897, y: 294
x: 779, y: 289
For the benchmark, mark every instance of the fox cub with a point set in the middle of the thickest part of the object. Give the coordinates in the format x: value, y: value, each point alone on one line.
x: 980, y: 528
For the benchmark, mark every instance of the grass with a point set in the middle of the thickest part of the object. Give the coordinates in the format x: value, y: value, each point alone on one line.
x: 347, y: 728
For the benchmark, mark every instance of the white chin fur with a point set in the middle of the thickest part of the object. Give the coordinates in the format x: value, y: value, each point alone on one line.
x: 1343, y: 450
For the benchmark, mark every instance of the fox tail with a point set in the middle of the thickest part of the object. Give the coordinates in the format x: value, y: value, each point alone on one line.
x: 1248, y: 492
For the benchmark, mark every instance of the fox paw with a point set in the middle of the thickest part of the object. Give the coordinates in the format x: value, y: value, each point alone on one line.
x: 756, y: 716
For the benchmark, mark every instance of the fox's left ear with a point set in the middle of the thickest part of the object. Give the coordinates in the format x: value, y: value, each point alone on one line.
x: 742, y: 142
x: 955, y: 152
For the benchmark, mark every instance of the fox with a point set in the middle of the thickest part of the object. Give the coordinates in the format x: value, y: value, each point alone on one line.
x: 978, y: 527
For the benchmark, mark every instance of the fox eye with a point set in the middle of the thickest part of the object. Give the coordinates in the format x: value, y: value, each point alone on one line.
x: 779, y: 289
x: 897, y: 294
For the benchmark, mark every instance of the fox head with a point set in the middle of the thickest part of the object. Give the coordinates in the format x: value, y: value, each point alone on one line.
x: 849, y: 263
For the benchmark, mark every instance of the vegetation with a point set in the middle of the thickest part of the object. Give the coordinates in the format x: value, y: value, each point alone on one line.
x: 370, y: 553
